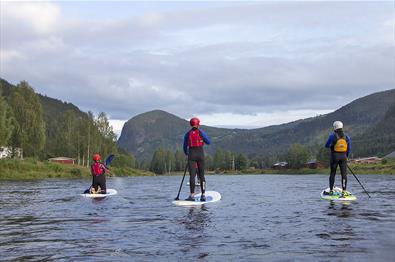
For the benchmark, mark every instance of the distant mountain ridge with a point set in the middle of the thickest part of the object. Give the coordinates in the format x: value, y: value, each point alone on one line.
x: 144, y: 133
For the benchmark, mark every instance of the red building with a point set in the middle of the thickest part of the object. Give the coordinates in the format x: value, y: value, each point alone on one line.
x: 62, y: 160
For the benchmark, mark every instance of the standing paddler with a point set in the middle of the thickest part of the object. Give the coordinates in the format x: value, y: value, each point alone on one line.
x: 194, y: 140
x: 340, y: 145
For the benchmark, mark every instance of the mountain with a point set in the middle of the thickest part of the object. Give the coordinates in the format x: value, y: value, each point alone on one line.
x: 144, y: 133
x: 378, y: 140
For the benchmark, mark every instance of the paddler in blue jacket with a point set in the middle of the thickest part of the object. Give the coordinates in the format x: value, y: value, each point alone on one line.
x: 340, y: 145
x: 194, y: 140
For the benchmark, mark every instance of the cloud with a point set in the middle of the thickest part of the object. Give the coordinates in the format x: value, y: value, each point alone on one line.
x: 224, y: 61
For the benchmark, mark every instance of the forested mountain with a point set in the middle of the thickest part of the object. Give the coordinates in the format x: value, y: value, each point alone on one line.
x: 379, y: 139
x: 146, y: 132
x: 45, y: 127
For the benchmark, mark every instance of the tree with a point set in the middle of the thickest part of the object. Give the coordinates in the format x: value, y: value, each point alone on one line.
x: 158, y: 161
x: 219, y: 159
x: 297, y: 156
x: 30, y: 132
x: 323, y: 156
x: 241, y: 162
x: 6, y: 126
x: 180, y: 160
x: 208, y: 162
x: 123, y: 160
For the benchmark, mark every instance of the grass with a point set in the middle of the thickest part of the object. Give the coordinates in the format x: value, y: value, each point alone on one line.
x: 386, y: 167
x: 30, y: 169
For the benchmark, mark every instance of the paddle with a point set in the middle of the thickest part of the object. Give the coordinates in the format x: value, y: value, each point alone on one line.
x: 109, y: 159
x: 182, y: 181
x: 358, y: 180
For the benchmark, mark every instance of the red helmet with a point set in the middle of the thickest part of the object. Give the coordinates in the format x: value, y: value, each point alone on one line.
x: 96, y: 157
x: 194, y: 121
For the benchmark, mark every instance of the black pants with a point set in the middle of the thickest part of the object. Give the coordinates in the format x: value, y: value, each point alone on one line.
x: 100, y: 181
x: 196, y: 167
x: 338, y: 159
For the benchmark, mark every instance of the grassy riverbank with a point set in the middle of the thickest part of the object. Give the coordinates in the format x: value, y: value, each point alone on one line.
x: 386, y: 167
x: 12, y: 169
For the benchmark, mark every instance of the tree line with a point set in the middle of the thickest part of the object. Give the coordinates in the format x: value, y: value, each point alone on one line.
x: 166, y: 161
x: 69, y: 133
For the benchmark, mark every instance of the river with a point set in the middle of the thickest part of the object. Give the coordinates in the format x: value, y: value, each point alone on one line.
x: 260, y: 218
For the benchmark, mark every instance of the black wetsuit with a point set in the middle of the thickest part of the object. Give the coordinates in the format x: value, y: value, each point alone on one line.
x: 196, y: 166
x: 100, y: 180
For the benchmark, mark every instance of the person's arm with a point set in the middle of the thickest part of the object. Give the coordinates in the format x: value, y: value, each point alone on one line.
x: 328, y: 143
x: 348, y: 140
x: 185, y: 145
x: 206, y: 139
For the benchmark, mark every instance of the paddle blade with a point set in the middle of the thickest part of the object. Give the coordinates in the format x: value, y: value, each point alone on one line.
x: 109, y: 159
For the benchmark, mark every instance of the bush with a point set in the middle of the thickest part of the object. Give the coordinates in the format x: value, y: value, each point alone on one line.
x: 76, y: 172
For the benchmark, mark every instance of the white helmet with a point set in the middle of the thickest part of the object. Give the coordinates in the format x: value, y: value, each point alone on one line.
x: 337, y: 125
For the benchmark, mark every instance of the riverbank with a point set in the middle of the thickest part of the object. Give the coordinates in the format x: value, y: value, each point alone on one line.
x: 384, y: 168
x: 28, y: 169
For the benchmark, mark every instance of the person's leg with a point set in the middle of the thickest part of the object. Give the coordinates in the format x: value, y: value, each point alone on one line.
x: 192, y: 174
x: 333, y: 166
x: 343, y: 170
x: 102, y: 184
x: 202, y: 179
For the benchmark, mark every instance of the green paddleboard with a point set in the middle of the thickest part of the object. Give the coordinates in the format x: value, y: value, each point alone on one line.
x: 336, y: 196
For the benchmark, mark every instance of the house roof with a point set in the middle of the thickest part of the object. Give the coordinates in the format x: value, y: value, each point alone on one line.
x: 390, y: 155
x: 61, y: 158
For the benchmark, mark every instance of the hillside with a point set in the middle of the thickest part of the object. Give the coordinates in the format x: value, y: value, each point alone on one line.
x: 142, y: 134
x: 379, y: 140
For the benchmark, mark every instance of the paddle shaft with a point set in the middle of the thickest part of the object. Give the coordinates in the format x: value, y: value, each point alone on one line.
x: 358, y: 180
x: 182, y: 181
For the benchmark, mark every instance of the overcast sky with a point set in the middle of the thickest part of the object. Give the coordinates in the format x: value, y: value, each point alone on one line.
x: 248, y: 64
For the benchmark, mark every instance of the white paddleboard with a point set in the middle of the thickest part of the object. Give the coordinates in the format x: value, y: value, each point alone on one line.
x: 110, y: 192
x: 337, y: 195
x: 211, y: 196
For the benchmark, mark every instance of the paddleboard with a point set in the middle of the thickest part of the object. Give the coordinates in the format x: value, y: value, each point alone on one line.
x: 337, y: 195
x: 110, y: 192
x: 211, y: 197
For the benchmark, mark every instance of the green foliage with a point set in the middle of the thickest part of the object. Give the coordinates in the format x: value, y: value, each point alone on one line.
x: 241, y: 162
x: 323, y: 156
x: 158, y: 161
x: 6, y: 120
x: 30, y: 132
x: 180, y: 159
x: 45, y: 127
x: 297, y: 156
x: 122, y: 160
x: 379, y: 140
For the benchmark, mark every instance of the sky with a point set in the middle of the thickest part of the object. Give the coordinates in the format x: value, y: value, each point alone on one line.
x: 232, y: 64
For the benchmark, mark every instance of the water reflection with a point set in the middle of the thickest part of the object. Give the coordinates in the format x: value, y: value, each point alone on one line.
x: 341, y: 210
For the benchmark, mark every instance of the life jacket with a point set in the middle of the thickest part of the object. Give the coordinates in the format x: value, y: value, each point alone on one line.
x: 341, y: 144
x: 194, y: 138
x: 97, y: 169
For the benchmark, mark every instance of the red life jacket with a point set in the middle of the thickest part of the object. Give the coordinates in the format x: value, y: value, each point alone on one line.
x: 194, y: 138
x: 97, y: 169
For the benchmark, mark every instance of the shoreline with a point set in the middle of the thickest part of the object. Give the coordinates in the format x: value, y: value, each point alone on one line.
x: 30, y: 169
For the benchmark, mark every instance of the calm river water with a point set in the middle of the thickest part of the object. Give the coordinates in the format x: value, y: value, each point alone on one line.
x: 260, y: 218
